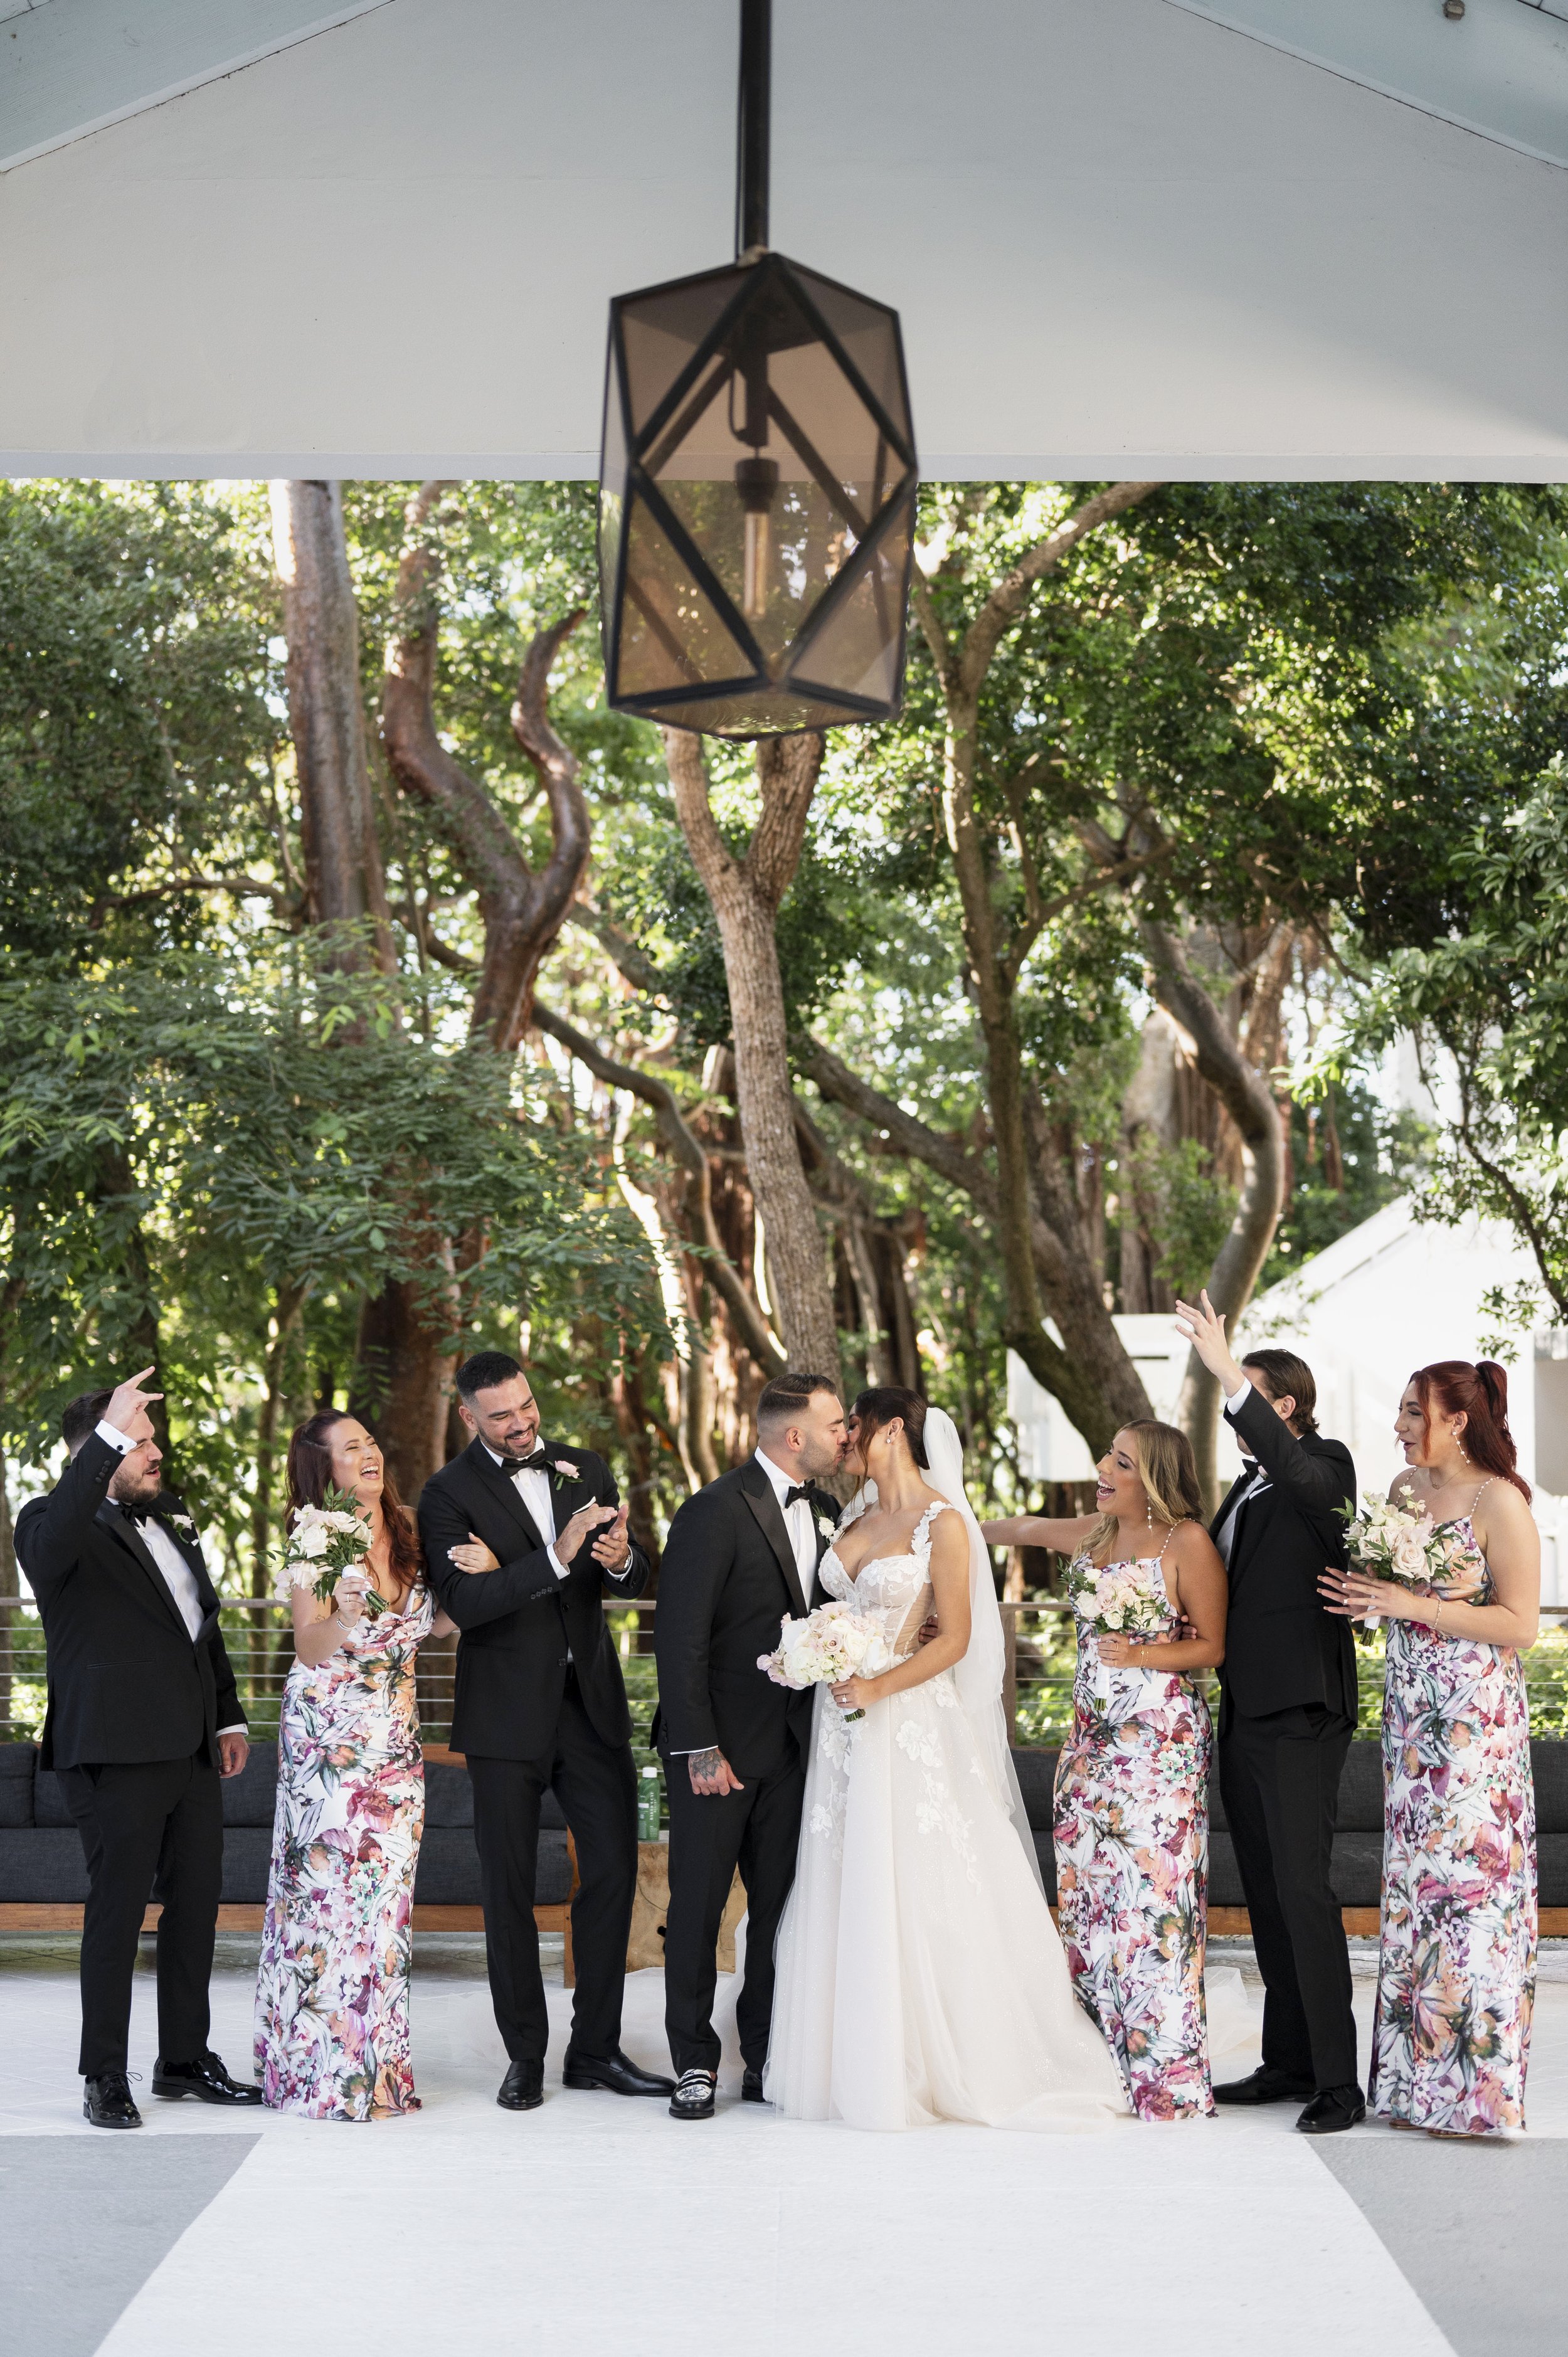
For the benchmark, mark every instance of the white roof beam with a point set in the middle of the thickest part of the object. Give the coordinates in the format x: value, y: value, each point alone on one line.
x: 1500, y: 69
x: 71, y: 67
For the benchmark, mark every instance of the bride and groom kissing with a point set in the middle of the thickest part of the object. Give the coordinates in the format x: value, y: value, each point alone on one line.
x: 901, y: 1964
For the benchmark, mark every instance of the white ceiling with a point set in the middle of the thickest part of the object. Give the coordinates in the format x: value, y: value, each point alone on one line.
x: 1126, y: 236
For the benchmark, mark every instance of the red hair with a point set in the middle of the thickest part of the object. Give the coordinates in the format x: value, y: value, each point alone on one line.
x: 1480, y: 1395
x: 310, y: 1477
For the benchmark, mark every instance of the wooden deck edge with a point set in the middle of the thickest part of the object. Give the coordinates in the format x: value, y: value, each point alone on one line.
x: 46, y: 1915
x: 49, y: 1915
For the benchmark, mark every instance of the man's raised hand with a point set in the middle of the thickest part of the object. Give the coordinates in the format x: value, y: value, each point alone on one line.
x: 1204, y: 1327
x: 129, y: 1401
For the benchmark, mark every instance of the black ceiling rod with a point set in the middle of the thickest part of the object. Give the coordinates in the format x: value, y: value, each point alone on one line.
x: 752, y: 128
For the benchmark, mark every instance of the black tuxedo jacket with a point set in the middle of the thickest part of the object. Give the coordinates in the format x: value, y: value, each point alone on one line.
x: 727, y: 1578
x: 1281, y: 1648
x: 126, y: 1681
x: 517, y: 1623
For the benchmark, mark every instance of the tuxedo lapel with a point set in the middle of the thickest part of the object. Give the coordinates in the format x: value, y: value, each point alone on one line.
x: 170, y: 1515
x: 498, y: 1485
x: 111, y: 1519
x: 1244, y: 1523
x: 760, y: 1495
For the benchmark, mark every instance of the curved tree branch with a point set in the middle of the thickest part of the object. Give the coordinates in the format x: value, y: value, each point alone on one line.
x: 751, y: 1325
x: 1247, y: 1097
x: 522, y: 913
x: 1006, y: 601
x: 1093, y: 1377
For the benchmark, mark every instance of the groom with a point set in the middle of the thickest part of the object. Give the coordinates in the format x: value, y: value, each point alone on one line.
x: 539, y: 1703
x: 741, y: 1555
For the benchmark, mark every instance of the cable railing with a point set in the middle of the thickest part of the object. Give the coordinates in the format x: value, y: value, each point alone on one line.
x: 1038, y: 1692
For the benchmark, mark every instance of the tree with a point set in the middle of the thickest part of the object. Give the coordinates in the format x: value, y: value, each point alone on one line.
x: 745, y: 891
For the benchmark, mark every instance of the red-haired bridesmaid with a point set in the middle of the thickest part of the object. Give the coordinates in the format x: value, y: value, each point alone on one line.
x: 1456, y: 1966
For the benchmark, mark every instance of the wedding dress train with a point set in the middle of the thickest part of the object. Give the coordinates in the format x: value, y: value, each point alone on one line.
x: 919, y: 1974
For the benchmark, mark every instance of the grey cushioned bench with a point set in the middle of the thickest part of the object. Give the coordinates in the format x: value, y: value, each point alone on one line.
x: 41, y: 1862
x: 1358, y: 1844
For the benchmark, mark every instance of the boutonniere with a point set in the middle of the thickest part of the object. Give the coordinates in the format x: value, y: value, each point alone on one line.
x: 565, y: 1469
x: 182, y: 1523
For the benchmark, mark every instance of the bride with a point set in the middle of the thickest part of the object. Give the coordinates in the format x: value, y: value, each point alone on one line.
x: 920, y: 1975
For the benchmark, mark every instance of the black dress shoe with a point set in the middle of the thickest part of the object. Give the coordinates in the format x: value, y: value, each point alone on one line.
x: 522, y: 2089
x: 693, y: 2096
x: 616, y: 2073
x: 751, y: 2086
x: 106, y: 2102
x: 1336, y: 2109
x: 1264, y: 2086
x: 205, y: 2078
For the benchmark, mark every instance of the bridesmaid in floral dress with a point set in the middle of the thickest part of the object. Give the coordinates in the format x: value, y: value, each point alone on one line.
x: 332, y: 2037
x: 1456, y: 1965
x: 1132, y: 1792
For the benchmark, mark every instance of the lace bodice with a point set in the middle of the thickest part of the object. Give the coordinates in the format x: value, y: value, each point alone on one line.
x: 894, y: 1589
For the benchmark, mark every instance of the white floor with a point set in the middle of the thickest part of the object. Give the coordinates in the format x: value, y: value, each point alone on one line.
x: 600, y: 2225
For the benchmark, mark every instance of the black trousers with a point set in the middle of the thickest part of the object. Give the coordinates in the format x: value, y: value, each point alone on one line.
x: 155, y: 1830
x: 757, y: 1830
x: 1280, y: 1779
x: 596, y: 1786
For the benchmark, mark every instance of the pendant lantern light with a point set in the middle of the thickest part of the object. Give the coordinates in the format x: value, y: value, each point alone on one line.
x: 757, y: 482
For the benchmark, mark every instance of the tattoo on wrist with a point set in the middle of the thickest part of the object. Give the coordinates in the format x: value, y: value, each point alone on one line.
x: 706, y: 1763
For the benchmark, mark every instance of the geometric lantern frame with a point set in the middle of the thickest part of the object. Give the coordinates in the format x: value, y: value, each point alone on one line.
x: 758, y: 484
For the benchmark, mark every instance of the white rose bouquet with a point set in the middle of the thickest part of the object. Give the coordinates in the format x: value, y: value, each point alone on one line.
x: 327, y: 1543
x: 1398, y: 1543
x: 1115, y: 1602
x: 833, y: 1642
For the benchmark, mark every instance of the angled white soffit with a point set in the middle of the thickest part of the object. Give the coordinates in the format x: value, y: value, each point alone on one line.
x: 1501, y: 68
x: 1123, y: 238
x: 71, y: 67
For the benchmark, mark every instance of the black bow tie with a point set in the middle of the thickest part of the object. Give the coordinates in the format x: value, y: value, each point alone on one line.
x: 792, y: 1496
x: 538, y: 1463
x: 140, y: 1515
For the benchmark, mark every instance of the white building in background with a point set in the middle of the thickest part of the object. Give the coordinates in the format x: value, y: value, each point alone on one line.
x: 1391, y: 1296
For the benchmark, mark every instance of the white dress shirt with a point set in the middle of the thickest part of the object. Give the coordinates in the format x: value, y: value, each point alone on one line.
x: 799, y: 1521
x: 1225, y: 1536
x: 534, y: 1490
x: 179, y: 1576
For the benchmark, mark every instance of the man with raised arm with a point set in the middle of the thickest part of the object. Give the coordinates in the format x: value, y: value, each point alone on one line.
x: 143, y: 1720
x: 1286, y: 1716
x: 741, y: 1557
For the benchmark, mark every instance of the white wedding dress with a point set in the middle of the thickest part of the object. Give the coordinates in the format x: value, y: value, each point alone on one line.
x: 919, y: 1974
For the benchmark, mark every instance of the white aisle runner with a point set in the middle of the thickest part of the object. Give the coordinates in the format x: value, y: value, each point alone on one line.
x: 603, y: 2227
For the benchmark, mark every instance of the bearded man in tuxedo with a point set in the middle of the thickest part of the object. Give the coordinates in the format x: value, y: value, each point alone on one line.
x: 143, y: 1721
x: 540, y: 1704
x: 741, y: 1557
x: 1287, y: 1714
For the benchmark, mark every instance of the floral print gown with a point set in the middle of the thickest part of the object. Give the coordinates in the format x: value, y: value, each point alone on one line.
x: 331, y: 2037
x: 1456, y: 1965
x: 1131, y: 1836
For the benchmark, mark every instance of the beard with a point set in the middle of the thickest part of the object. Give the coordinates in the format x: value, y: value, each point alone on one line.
x: 136, y: 1488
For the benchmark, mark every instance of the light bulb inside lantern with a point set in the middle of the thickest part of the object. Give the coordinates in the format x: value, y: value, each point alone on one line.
x: 757, y: 479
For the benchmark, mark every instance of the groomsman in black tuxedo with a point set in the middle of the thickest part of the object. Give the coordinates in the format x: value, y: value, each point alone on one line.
x: 540, y: 1704
x: 143, y: 1720
x: 741, y: 1555
x: 1287, y: 1714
